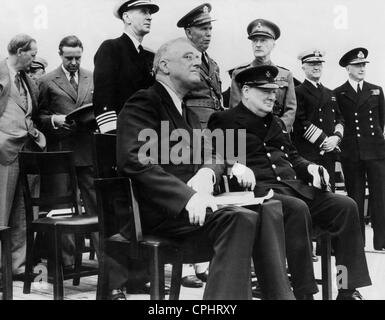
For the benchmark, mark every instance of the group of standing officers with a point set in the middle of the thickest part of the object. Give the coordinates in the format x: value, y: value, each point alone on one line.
x: 325, y: 126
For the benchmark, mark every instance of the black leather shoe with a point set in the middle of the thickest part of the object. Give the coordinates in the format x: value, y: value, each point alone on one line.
x: 117, y: 294
x: 203, y: 276
x: 146, y: 289
x: 349, y: 295
x: 192, y: 282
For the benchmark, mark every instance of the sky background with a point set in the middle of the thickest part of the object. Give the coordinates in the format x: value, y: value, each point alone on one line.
x: 335, y: 26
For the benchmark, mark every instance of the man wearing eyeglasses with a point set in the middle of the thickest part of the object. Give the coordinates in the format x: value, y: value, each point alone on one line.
x: 67, y: 88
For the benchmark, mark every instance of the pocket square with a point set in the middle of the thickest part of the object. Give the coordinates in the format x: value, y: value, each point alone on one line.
x: 375, y: 92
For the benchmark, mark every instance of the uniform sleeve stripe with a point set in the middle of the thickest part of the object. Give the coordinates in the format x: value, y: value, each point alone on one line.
x: 107, y: 127
x: 107, y: 119
x: 106, y: 114
x: 313, y: 133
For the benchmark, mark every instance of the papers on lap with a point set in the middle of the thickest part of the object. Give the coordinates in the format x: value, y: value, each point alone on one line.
x: 245, y: 198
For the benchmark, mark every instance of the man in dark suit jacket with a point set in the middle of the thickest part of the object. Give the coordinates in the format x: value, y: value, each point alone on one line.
x: 174, y: 191
x: 122, y: 65
x: 62, y: 91
x: 363, y: 146
x: 18, y: 106
x: 318, y: 125
x: 272, y: 162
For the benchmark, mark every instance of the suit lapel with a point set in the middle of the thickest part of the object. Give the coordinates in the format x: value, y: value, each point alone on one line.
x: 349, y: 92
x: 365, y: 94
x: 63, y: 83
x: 274, y: 129
x: 84, y: 87
x: 310, y: 88
x: 172, y: 111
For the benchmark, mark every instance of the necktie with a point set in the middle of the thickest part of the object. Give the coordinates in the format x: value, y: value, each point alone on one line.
x: 141, y: 50
x: 73, y: 81
x: 358, y: 89
x: 23, y: 92
x: 184, y: 111
x: 204, y: 60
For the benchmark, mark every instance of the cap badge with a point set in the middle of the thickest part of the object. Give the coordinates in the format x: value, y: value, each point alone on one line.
x: 205, y: 9
x: 259, y: 26
x: 360, y: 55
x: 268, y: 74
x: 317, y: 53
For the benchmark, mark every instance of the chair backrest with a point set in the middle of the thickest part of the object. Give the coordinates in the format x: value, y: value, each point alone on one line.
x: 104, y: 155
x: 48, y: 164
x: 117, y: 206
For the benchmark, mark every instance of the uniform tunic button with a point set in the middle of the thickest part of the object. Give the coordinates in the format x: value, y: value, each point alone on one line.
x: 279, y: 179
x: 286, y: 155
x: 372, y: 133
x: 358, y: 128
x: 356, y: 121
x: 320, y: 110
x: 358, y: 135
x: 356, y: 114
x: 370, y: 112
x: 274, y: 166
x: 333, y: 110
x: 295, y: 177
x: 371, y: 119
x: 268, y: 155
x: 282, y: 148
x: 371, y: 126
x: 291, y: 165
x: 264, y: 144
x: 105, y: 109
x: 320, y: 120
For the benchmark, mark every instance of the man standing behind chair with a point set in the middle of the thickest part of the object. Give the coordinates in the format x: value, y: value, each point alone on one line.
x: 263, y: 35
x: 18, y: 105
x: 62, y: 91
x: 207, y: 97
x: 363, y: 146
x: 318, y: 126
x: 122, y: 65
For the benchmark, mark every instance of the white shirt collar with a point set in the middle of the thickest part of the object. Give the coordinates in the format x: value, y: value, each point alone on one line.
x: 313, y: 82
x: 355, y: 83
x: 68, y: 75
x: 134, y: 40
x: 177, y: 101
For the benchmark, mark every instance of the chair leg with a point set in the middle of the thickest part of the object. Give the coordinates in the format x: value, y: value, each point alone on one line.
x: 102, y: 286
x: 28, y: 263
x: 92, y: 250
x: 156, y: 279
x: 326, y: 267
x: 6, y: 259
x: 57, y: 267
x: 176, y: 279
x: 79, y: 243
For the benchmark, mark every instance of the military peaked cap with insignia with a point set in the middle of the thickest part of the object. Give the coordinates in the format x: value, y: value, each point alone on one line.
x: 262, y: 27
x: 313, y: 55
x: 197, y: 16
x: 124, y: 5
x: 355, y: 56
x: 260, y: 77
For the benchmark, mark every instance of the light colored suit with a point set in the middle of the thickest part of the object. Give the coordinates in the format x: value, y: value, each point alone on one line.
x: 17, y: 132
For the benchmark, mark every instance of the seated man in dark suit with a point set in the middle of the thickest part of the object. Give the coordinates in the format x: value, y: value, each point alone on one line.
x: 174, y: 192
x: 272, y: 162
